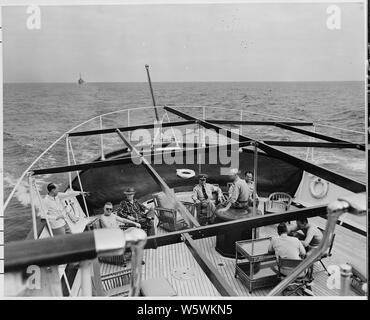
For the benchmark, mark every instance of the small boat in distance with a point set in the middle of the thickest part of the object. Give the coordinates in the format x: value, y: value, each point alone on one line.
x: 81, y: 81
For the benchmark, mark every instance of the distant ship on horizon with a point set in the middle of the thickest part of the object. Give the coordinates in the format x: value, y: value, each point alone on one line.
x: 81, y: 81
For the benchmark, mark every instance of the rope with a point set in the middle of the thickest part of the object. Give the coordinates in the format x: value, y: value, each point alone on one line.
x: 334, y: 127
x: 293, y: 119
x: 79, y: 179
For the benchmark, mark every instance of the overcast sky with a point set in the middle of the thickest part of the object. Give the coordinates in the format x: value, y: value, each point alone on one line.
x: 239, y: 42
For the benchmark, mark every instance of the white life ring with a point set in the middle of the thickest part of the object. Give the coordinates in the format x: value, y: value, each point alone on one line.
x: 185, y: 173
x: 324, y: 189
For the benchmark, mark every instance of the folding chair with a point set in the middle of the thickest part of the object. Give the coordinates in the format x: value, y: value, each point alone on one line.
x: 301, y: 285
x: 326, y: 254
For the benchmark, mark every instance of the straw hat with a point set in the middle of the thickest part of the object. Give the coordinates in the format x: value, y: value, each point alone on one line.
x: 129, y: 191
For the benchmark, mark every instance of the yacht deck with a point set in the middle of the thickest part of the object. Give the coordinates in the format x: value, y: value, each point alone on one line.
x: 178, y: 266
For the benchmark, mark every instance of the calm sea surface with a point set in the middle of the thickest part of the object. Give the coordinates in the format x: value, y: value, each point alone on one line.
x: 35, y: 115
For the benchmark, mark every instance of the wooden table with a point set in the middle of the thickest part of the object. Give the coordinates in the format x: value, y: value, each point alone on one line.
x: 260, y: 270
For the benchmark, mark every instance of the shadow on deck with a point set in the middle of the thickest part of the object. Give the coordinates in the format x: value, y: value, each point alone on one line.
x: 177, y: 265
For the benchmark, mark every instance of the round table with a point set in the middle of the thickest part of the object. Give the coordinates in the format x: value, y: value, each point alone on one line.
x: 225, y: 242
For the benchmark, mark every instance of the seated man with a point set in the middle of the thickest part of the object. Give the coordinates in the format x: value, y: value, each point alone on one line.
x: 310, y: 235
x: 110, y: 220
x: 131, y: 209
x: 250, y: 182
x: 203, y: 195
x: 239, y: 193
x: 286, y: 247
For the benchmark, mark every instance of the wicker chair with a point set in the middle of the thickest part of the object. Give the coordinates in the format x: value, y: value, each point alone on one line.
x: 168, y: 218
x: 117, y: 283
x: 278, y: 202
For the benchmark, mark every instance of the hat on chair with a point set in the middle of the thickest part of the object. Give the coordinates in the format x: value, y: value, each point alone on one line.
x: 129, y: 191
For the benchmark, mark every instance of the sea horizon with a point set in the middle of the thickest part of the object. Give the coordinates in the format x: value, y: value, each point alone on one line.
x: 195, y: 81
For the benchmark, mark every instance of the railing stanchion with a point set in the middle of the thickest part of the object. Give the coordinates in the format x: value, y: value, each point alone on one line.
x: 79, y: 181
x: 199, y: 154
x: 255, y: 173
x: 314, y: 130
x: 102, y: 157
x: 86, y: 287
x: 69, y: 162
x: 241, y: 119
x: 34, y: 222
x: 128, y: 117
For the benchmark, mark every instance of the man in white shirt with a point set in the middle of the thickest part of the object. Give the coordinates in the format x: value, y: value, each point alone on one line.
x: 55, y: 209
x: 203, y: 196
x: 249, y: 179
x: 286, y: 247
x: 239, y: 192
x: 110, y: 220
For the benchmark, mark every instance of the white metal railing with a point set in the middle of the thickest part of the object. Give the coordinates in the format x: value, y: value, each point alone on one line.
x: 100, y: 117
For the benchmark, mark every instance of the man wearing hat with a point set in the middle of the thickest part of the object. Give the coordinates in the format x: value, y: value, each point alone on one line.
x: 55, y: 209
x: 239, y: 192
x: 132, y: 209
x: 203, y: 196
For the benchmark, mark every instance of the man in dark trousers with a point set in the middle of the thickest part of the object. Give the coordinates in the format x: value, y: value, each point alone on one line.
x: 133, y: 210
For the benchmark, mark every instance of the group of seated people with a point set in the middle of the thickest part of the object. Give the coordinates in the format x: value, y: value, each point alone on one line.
x: 129, y: 212
x: 240, y: 194
x: 295, y: 242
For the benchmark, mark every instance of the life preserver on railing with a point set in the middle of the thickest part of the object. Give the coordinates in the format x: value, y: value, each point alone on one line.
x: 185, y: 173
x: 322, y: 192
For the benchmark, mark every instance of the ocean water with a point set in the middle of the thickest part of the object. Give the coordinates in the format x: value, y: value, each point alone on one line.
x: 35, y: 115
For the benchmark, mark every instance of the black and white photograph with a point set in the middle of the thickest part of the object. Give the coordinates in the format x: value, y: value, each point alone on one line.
x: 169, y: 150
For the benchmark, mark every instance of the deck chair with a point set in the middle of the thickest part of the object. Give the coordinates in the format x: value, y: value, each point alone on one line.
x: 278, y: 201
x: 326, y: 254
x: 168, y: 218
x: 301, y: 285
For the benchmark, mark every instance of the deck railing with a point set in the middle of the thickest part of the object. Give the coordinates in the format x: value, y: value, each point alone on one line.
x: 128, y: 116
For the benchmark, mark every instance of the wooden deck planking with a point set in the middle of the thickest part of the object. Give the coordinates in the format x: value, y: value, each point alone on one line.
x: 348, y: 246
x: 161, y: 262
